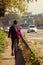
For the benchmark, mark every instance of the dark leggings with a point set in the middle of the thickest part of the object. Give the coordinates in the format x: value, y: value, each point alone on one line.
x: 14, y: 41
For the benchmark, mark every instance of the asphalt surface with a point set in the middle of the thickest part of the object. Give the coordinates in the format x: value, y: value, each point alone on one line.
x: 38, y: 37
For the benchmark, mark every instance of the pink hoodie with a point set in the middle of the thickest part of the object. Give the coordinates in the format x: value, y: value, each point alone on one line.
x: 19, y: 32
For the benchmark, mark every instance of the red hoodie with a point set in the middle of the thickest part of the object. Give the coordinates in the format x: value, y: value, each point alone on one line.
x: 19, y: 32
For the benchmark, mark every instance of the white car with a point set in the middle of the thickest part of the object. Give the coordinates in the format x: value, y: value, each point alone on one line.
x: 32, y: 28
x: 6, y: 28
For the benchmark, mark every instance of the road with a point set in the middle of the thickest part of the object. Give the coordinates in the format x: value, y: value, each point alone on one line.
x: 38, y: 37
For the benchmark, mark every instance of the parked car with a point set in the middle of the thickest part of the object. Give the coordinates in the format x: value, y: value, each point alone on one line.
x: 6, y: 28
x: 32, y: 28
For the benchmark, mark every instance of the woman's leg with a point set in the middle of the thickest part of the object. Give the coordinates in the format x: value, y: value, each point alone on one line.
x: 12, y: 46
x: 17, y: 41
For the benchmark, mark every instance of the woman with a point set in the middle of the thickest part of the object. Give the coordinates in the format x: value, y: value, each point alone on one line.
x: 14, y: 34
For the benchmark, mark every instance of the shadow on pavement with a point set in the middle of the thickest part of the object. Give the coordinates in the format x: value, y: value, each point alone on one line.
x: 19, y: 59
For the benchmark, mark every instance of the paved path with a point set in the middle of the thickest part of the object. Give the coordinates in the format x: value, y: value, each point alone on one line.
x: 9, y: 60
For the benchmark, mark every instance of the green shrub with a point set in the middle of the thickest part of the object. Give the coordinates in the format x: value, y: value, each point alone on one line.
x: 2, y: 41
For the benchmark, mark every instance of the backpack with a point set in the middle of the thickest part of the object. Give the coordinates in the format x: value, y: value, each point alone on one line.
x: 12, y: 32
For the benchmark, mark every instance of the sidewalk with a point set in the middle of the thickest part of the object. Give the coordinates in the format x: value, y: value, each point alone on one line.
x: 7, y: 58
x: 10, y: 60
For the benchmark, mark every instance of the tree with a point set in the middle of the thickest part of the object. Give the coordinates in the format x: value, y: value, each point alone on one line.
x: 2, y: 8
x: 19, y: 4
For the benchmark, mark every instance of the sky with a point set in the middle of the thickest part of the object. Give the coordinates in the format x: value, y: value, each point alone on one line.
x: 36, y: 7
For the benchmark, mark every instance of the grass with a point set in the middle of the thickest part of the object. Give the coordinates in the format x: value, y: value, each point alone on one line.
x: 2, y: 41
x: 30, y: 56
